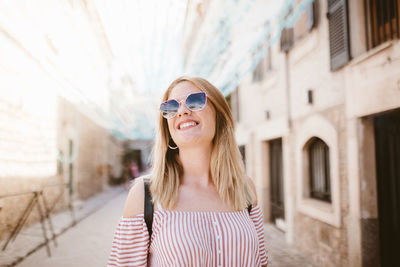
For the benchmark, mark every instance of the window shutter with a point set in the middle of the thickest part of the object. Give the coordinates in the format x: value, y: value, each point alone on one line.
x: 312, y: 15
x: 339, y: 42
x: 287, y: 41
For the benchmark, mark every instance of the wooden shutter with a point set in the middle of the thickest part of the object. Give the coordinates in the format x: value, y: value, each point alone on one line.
x: 384, y: 20
x: 287, y: 41
x: 339, y: 42
x: 312, y: 15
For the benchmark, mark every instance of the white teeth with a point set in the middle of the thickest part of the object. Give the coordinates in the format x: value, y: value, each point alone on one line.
x: 186, y: 124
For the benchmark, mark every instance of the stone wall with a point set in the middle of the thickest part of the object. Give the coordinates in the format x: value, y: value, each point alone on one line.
x: 96, y: 156
x: 324, y: 243
x: 346, y: 101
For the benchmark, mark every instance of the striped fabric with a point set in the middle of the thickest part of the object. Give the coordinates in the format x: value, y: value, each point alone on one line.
x: 191, y: 239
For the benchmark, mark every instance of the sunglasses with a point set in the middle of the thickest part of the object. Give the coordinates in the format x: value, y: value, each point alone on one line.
x: 194, y: 102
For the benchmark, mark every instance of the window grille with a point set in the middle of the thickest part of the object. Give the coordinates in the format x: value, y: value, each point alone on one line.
x: 319, y: 170
x: 383, y: 20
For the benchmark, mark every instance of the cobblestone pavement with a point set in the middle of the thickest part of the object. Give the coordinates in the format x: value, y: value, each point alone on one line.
x: 280, y: 254
x: 89, y: 242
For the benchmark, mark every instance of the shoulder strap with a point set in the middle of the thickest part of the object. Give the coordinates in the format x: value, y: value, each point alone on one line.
x: 249, y: 207
x: 148, y: 207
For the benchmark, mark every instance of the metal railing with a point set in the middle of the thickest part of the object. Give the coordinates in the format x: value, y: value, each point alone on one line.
x: 39, y: 200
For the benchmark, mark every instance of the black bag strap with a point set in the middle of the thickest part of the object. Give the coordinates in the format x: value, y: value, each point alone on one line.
x: 148, y: 207
x: 249, y: 207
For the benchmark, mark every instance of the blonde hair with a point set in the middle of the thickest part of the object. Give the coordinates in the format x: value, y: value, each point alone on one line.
x: 226, y: 165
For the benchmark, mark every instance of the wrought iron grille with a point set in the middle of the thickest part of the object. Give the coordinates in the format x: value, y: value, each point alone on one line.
x: 384, y: 20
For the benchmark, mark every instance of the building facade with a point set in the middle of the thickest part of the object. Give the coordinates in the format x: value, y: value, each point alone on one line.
x: 318, y: 124
x: 49, y: 142
x: 68, y: 159
x: 320, y: 119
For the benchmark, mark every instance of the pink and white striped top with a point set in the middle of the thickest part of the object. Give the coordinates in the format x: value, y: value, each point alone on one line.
x: 191, y: 239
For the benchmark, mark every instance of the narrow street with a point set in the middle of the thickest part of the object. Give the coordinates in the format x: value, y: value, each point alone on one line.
x: 89, y: 242
x: 86, y: 244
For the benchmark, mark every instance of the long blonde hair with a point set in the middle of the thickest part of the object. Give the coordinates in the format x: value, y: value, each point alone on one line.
x: 226, y: 166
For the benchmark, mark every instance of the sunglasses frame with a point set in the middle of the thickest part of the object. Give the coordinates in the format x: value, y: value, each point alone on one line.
x: 184, y: 101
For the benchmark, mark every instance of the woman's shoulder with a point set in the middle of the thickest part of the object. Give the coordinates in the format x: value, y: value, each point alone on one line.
x: 134, y: 204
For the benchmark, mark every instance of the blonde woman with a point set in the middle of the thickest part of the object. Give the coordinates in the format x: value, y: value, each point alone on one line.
x: 205, y: 209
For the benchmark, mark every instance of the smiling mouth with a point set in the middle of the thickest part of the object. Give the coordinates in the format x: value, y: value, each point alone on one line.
x: 187, y: 125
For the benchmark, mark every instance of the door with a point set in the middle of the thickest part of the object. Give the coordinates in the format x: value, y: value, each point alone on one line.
x: 71, y: 166
x: 276, y: 175
x: 387, y: 143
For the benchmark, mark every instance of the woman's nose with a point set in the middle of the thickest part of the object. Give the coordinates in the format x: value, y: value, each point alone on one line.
x: 183, y: 109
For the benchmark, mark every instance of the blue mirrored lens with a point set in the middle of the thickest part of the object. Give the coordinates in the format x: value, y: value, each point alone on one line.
x: 196, y: 101
x: 169, y: 108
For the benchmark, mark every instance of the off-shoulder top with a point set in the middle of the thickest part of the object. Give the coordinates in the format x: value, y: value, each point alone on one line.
x: 186, y: 238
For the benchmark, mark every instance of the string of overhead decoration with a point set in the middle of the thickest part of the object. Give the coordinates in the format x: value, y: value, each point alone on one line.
x: 127, y: 107
x: 243, y: 54
x: 127, y: 62
x: 159, y: 62
x: 233, y: 13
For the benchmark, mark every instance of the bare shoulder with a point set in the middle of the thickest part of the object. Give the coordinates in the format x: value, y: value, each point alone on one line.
x: 253, y: 187
x: 134, y: 204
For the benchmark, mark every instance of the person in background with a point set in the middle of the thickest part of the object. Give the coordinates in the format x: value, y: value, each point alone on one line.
x: 134, y: 168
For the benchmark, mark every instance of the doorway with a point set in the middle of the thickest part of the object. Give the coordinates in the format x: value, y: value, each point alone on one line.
x: 387, y: 143
x: 276, y: 176
x: 71, y: 167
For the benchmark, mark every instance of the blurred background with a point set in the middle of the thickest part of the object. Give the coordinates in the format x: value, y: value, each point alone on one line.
x: 314, y: 87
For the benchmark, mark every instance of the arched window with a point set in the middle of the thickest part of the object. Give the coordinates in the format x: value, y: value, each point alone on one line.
x: 320, y: 182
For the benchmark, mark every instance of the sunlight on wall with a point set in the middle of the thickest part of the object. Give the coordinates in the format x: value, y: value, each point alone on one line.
x: 27, y: 116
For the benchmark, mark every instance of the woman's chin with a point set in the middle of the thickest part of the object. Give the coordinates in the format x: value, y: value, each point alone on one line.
x: 193, y: 142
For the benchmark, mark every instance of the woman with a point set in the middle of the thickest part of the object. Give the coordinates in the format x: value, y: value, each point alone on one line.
x: 199, y: 189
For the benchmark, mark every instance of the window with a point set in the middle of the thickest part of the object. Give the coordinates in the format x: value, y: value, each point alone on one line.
x: 258, y: 72
x: 262, y: 67
x: 233, y: 103
x: 339, y: 42
x: 265, y: 64
x: 307, y: 21
x: 60, y: 161
x: 319, y: 170
x: 287, y: 39
x: 383, y: 20
x: 317, y: 166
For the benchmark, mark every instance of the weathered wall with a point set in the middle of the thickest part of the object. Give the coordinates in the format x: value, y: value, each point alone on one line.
x: 344, y: 233
x: 95, y: 151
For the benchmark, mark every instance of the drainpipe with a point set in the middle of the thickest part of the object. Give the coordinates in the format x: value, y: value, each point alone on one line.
x: 288, y: 180
x: 287, y: 89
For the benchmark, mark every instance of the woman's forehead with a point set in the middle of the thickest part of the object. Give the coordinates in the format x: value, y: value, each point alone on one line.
x: 182, y: 89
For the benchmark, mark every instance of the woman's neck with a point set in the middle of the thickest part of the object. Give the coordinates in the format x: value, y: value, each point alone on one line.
x: 196, y: 165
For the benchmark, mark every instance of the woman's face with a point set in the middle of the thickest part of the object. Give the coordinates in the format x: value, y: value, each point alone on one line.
x: 191, y: 128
